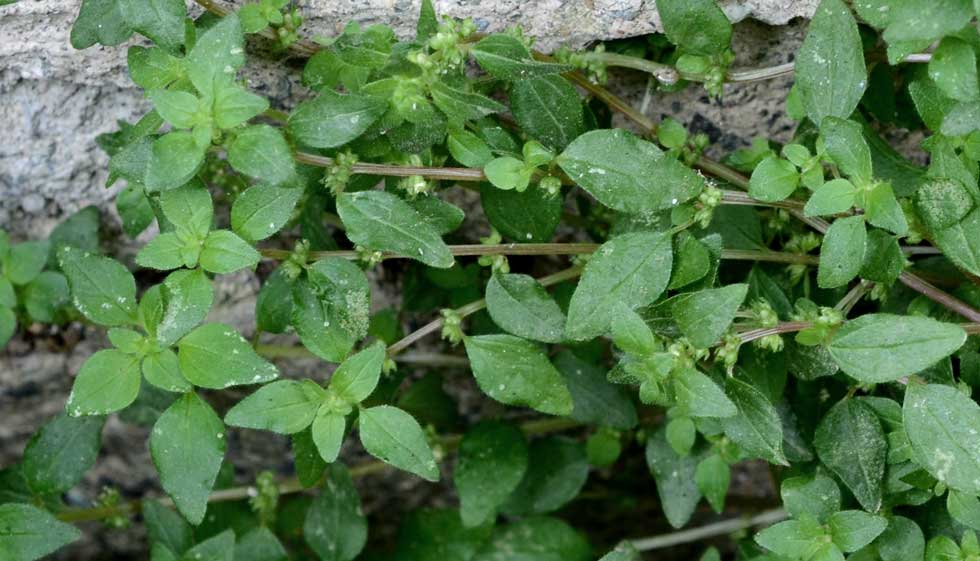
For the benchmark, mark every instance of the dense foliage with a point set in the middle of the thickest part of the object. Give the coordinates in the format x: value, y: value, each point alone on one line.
x: 813, y: 314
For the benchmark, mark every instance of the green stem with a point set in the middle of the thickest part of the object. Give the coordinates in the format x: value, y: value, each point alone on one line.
x: 784, y: 327
x: 722, y: 528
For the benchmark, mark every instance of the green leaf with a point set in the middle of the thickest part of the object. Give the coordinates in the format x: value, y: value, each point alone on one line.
x: 953, y: 67
x: 216, y: 55
x: 505, y: 57
x: 876, y: 348
x: 357, y: 376
x: 28, y: 533
x: 234, y: 105
x: 515, y: 371
x: 134, y: 209
x: 435, y: 534
x: 675, y: 477
x: 59, y: 454
x: 757, y: 428
x: 830, y: 72
x: 274, y: 304
x: 596, y: 401
x: 943, y: 426
x: 964, y: 508
x: 25, y: 261
x: 180, y: 109
x: 442, y: 216
x: 262, y: 210
x: 530, y: 216
x: 100, y: 21
x: 681, y: 434
x: 698, y: 26
x: 493, y: 457
x: 174, y: 160
x: 328, y: 433
x: 331, y: 308
x: 468, y: 149
x: 102, y: 289
x: 190, y: 209
x: 842, y: 252
x: 624, y: 551
x: 845, y: 144
x: 557, y: 468
x: 309, y: 464
x: 160, y: 20
x: 834, y: 196
x: 8, y: 325
x: 549, y: 109
x: 712, y: 478
x: 883, y: 210
x: 335, y: 527
x: 817, y: 496
x: 108, y: 381
x: 380, y: 220
x: 460, y: 106
x: 791, y: 538
x: 631, y: 270
x: 215, y: 356
x: 331, y: 120
x: 166, y: 527
x: 428, y: 22
x: 187, y: 445
x: 849, y: 440
x: 508, y: 173
x: 906, y: 21
x: 259, y: 544
x: 522, y: 307
x: 631, y: 334
x: 698, y: 396
x: 628, y: 174
x: 162, y: 369
x: 704, y: 316
x: 902, y: 540
x: 261, y: 152
x: 853, y: 529
x: 949, y: 209
x: 395, y: 437
x: 152, y: 67
x: 164, y: 252
x: 217, y: 548
x: 774, y: 179
x: 188, y: 296
x: 285, y: 407
x: 224, y: 252
x: 536, y: 538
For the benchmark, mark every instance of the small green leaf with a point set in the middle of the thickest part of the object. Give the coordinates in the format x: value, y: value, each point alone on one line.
x: 549, y: 109
x: 521, y: 306
x: 25, y: 261
x: 557, y: 468
x: 380, y: 220
x: 102, y: 289
x: 704, y: 316
x: 261, y: 152
x: 902, y: 540
x: 505, y: 57
x: 59, y: 454
x: 335, y: 527
x: 757, y: 428
x: 953, y: 67
x: 525, y: 217
x: 328, y: 433
x: 331, y: 308
x: 187, y: 297
x: 190, y: 209
x: 134, y: 209
x: 834, y: 196
x: 259, y: 544
x: 883, y: 210
x: 460, y: 106
x: 628, y: 174
x: 624, y: 551
x: 845, y: 144
x: 8, y: 324
x: 108, y: 381
x: 188, y: 444
x: 164, y: 252
x: 100, y: 21
x: 508, y: 173
x: 224, y: 252
x: 331, y: 120
x: 285, y: 407
x: 180, y: 109
x: 217, y: 548
x: 698, y: 396
x: 830, y: 71
x: 160, y: 20
x: 675, y: 477
x: 631, y: 334
x: 943, y: 426
x: 773, y: 180
x: 262, y: 210
x: 217, y: 55
x: 697, y: 27
x: 853, y: 529
x: 28, y: 533
x: 395, y: 437
x: 539, y: 538
x: 817, y: 496
x: 842, y: 252
x: 876, y: 348
x: 791, y: 538
x: 681, y: 434
x: 631, y: 270
x: 234, y: 105
x: 468, y: 149
x: 493, y: 457
x: 964, y: 508
x: 357, y: 376
x: 215, y: 356
x: 595, y: 400
x: 850, y: 441
x: 174, y: 160
x: 309, y: 464
x: 516, y: 371
x: 712, y: 478
x: 162, y: 369
x: 166, y: 527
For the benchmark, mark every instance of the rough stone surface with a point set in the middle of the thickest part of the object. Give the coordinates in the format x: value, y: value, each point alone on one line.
x: 55, y: 100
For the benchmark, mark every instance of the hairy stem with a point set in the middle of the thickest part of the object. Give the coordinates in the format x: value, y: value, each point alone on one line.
x: 784, y: 327
x: 944, y: 299
x: 722, y: 528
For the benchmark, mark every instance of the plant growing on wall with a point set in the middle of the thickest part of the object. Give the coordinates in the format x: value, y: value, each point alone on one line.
x: 643, y: 319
